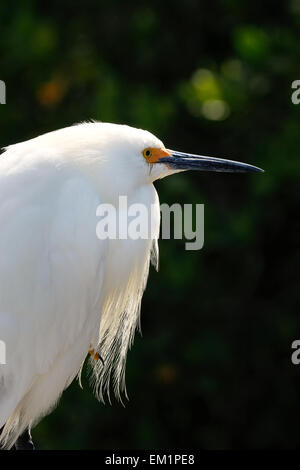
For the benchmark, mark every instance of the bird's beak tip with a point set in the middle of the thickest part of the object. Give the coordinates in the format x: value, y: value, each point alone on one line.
x: 256, y: 169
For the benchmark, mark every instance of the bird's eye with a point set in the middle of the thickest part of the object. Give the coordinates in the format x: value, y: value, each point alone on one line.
x: 147, y: 153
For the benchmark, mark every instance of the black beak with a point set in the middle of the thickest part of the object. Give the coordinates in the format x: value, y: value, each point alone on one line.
x: 188, y: 161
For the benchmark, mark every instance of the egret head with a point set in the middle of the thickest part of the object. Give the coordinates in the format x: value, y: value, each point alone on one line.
x: 130, y: 156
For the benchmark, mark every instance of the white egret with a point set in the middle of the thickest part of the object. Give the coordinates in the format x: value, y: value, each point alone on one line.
x: 64, y: 292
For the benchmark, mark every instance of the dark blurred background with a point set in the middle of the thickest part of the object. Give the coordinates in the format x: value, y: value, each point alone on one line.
x: 213, y: 369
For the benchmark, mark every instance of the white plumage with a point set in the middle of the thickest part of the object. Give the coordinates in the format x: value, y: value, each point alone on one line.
x: 56, y: 277
x: 62, y: 290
